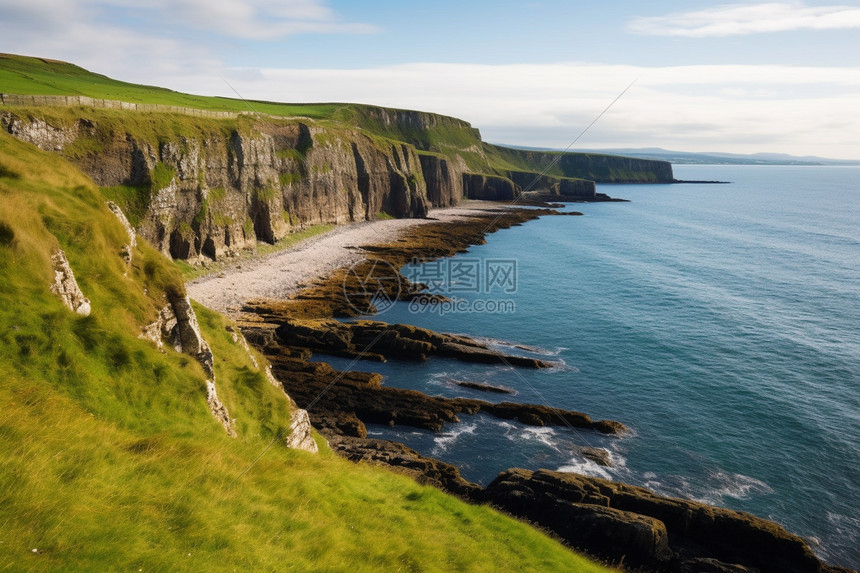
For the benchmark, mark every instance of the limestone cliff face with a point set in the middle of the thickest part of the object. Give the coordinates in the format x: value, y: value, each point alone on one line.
x: 490, y: 187
x: 228, y: 184
x: 444, y: 178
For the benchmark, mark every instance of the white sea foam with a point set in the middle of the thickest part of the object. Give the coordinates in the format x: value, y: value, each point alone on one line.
x: 716, y: 486
x: 586, y: 467
x: 737, y: 486
x: 544, y: 435
x: 444, y: 440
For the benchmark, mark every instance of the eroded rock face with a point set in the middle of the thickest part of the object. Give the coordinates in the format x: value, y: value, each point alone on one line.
x: 186, y: 333
x: 489, y: 187
x: 39, y: 132
x: 444, y: 178
x: 579, y: 189
x: 66, y: 287
x: 128, y: 249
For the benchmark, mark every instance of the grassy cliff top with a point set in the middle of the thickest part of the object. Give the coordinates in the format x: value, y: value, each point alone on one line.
x: 27, y: 75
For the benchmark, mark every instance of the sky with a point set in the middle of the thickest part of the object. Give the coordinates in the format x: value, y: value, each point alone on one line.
x: 740, y: 77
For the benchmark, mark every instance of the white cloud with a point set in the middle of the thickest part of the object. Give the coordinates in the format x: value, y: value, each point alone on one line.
x: 800, y: 110
x: 156, y: 39
x: 741, y: 19
x: 245, y: 19
x: 743, y: 108
x: 257, y: 19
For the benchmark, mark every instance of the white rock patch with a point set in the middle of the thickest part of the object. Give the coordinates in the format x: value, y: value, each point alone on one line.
x: 66, y: 287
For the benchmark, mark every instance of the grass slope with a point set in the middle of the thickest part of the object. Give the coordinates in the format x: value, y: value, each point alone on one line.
x: 111, y: 461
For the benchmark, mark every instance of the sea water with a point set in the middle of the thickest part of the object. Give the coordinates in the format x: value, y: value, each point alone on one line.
x: 720, y: 323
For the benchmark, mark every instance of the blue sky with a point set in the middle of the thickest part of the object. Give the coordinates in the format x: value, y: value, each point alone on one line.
x: 737, y: 77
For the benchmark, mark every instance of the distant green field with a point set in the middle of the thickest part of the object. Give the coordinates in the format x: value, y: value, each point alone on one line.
x: 34, y: 76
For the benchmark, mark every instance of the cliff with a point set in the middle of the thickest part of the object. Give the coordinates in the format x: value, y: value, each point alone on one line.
x: 591, y: 166
x: 208, y: 188
x: 203, y: 178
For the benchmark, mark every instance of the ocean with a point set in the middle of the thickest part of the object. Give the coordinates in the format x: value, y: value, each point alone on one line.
x: 720, y: 323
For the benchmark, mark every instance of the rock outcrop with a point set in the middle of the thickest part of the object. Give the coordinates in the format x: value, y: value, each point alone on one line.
x: 579, y: 189
x: 343, y: 402
x: 591, y: 166
x: 216, y: 187
x: 375, y: 340
x: 301, y: 433
x: 177, y: 325
x: 66, y: 287
x: 218, y: 409
x: 444, y: 178
x: 633, y: 525
x: 425, y: 470
x: 489, y: 187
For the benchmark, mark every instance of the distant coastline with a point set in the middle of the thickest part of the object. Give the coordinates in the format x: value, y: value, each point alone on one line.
x: 708, y: 158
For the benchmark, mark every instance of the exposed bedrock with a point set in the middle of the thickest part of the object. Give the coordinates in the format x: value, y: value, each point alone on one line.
x: 621, y: 522
x: 444, y: 178
x: 580, y: 189
x: 344, y: 401
x: 375, y: 340
x: 423, y: 469
x: 202, y: 188
x: 591, y: 166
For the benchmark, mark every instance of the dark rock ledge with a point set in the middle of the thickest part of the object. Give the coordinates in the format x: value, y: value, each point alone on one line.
x: 633, y: 525
x: 344, y: 401
x: 375, y: 340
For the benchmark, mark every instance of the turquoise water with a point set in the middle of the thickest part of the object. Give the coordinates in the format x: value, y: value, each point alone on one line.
x: 721, y: 323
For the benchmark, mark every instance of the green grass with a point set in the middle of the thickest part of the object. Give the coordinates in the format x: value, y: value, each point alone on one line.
x: 111, y: 461
x: 35, y: 76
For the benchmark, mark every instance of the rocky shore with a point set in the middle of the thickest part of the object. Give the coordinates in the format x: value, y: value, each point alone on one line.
x: 624, y: 525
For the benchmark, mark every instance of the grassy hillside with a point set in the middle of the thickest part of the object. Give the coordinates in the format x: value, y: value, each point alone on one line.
x: 37, y: 76
x: 110, y: 459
